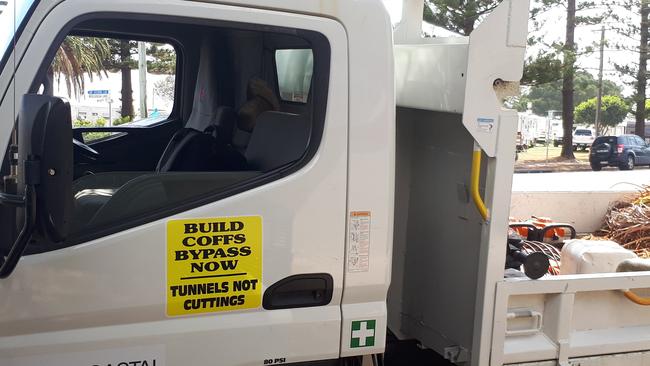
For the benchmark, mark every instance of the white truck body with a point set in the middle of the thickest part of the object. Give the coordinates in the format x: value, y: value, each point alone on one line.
x: 557, y: 132
x: 383, y: 200
x: 527, y: 128
x: 532, y: 127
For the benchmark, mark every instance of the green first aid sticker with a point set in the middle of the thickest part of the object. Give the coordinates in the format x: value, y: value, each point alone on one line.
x: 363, y: 333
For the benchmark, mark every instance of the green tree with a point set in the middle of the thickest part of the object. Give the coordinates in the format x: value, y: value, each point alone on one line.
x: 460, y: 16
x: 614, y: 110
x: 121, y: 120
x: 76, y: 57
x: 121, y: 59
x: 161, y: 59
x: 164, y: 88
x: 542, y: 68
x: 547, y: 97
x: 91, y: 136
x: 569, y: 57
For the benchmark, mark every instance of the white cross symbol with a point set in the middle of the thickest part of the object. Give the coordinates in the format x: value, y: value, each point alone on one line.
x: 363, y: 333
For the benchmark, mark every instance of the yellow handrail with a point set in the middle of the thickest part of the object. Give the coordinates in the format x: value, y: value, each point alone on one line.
x: 636, y: 298
x: 475, y: 182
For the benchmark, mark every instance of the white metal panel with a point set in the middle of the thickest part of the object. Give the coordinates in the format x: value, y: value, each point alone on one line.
x: 431, y: 76
x: 438, y: 231
x: 584, y: 315
x: 584, y: 210
x: 409, y: 29
x: 496, y: 51
x: 498, y: 190
x: 111, y: 291
x: 623, y: 359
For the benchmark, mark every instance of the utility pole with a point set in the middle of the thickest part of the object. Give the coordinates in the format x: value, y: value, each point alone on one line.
x: 599, y: 104
x: 110, y: 111
x: 142, y: 68
x: 642, y: 77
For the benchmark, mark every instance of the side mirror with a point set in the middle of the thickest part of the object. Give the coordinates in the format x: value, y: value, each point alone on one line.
x: 43, y: 199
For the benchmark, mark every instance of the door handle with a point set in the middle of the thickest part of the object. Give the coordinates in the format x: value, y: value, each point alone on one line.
x: 299, y: 291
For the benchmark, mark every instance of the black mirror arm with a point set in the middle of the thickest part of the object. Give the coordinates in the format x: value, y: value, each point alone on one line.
x: 8, y: 263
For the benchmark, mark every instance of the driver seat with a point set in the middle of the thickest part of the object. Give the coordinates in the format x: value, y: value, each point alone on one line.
x: 203, y: 151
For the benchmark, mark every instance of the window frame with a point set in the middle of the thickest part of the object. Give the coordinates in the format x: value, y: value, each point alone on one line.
x: 318, y: 94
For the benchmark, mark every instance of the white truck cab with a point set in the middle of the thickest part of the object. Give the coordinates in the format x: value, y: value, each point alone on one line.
x: 310, y: 160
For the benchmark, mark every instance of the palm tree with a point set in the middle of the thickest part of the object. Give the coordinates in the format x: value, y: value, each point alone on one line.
x: 76, y: 57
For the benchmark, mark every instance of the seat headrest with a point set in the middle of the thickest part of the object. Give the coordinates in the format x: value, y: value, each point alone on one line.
x: 260, y: 98
x: 278, y: 139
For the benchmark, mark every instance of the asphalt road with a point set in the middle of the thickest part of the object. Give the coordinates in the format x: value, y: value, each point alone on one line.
x: 605, y: 180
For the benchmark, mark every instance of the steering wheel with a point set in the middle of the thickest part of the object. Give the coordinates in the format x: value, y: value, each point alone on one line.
x: 84, y: 150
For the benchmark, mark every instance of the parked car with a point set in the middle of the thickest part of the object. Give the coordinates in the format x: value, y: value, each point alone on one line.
x: 583, y: 138
x: 625, y: 152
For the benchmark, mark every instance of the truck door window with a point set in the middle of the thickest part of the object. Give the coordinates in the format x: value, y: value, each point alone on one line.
x: 213, y: 125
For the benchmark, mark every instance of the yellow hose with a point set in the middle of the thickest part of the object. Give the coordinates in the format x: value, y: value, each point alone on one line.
x: 636, y: 298
x: 475, y: 180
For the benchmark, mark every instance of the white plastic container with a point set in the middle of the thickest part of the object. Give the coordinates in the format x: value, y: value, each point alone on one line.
x: 592, y: 256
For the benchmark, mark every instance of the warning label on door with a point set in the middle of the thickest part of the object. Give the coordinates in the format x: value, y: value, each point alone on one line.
x: 359, y: 244
x: 214, y: 265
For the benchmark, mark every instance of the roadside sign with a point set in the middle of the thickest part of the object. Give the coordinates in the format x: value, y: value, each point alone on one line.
x: 98, y: 94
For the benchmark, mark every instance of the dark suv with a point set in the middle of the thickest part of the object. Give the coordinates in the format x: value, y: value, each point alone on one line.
x: 625, y: 152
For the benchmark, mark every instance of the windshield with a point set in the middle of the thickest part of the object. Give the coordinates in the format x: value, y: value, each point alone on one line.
x: 605, y: 139
x: 583, y: 133
x: 12, y: 14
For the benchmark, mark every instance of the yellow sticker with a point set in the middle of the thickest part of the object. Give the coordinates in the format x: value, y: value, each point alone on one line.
x: 214, y: 265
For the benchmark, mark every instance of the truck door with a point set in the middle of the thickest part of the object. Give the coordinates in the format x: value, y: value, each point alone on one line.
x: 230, y: 254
